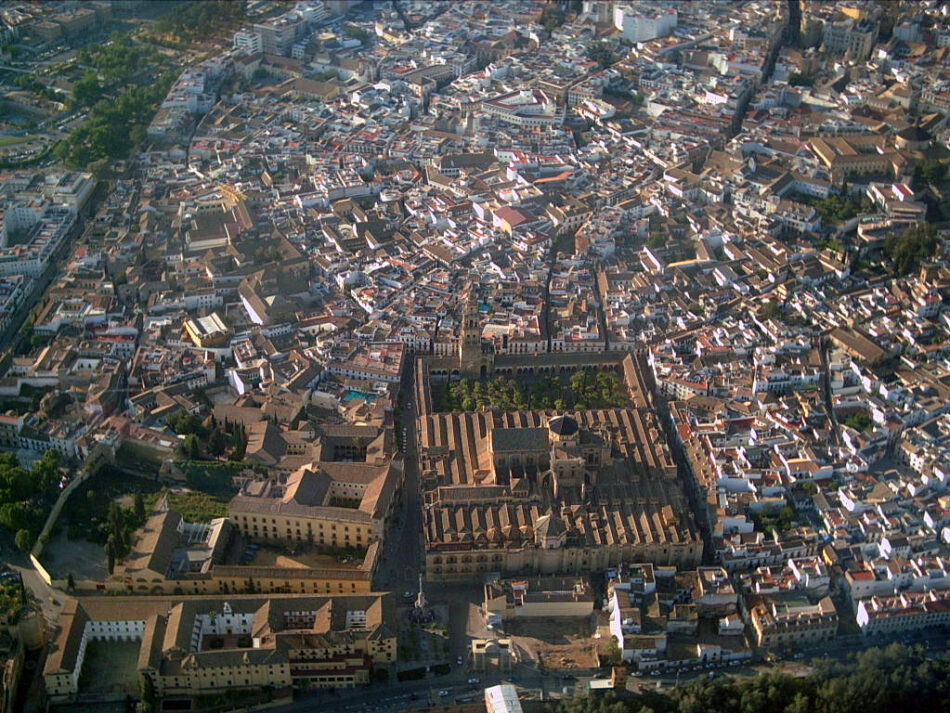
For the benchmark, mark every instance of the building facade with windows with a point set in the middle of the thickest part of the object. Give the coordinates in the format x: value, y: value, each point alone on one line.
x: 205, y: 645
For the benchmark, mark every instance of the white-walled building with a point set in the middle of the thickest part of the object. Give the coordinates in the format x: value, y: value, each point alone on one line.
x: 642, y: 24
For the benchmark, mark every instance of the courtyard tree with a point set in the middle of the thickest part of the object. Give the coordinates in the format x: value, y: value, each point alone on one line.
x: 240, y: 444
x: 191, y: 448
x: 149, y: 697
x: 216, y: 442
x: 770, y: 310
x: 859, y: 421
x: 24, y: 540
x: 933, y: 171
x: 611, y: 652
x: 138, y: 506
x: 110, y: 553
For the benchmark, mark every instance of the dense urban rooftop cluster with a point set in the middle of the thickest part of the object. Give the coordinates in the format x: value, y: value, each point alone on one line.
x: 737, y: 211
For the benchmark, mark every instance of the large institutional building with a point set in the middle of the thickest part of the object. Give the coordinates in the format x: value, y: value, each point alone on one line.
x: 171, y: 556
x: 343, y: 497
x: 532, y: 492
x: 203, y: 645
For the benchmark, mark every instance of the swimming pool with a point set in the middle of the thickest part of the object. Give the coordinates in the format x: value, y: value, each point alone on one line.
x: 352, y: 394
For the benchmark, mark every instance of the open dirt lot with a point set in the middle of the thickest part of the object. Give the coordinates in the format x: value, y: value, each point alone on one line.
x: 307, y: 560
x: 558, y: 644
x: 81, y: 558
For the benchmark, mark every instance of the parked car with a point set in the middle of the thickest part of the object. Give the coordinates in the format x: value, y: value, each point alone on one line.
x: 473, y: 681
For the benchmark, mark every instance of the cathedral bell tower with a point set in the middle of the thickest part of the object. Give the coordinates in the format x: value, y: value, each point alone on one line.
x: 474, y: 363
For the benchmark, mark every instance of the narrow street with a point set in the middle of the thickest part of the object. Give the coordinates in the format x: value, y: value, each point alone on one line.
x: 49, y: 600
x: 690, y: 485
x: 402, y: 547
x: 826, y: 390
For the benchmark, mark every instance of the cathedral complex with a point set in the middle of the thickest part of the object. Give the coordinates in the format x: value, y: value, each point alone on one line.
x: 535, y: 492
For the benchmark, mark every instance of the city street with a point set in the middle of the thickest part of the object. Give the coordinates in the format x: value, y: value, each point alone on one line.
x: 402, y: 548
x: 531, y: 683
x: 421, y: 694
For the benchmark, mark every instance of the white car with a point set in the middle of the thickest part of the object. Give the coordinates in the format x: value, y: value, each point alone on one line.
x: 458, y: 661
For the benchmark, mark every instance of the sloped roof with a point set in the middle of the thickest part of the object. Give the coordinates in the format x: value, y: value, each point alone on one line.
x: 505, y: 440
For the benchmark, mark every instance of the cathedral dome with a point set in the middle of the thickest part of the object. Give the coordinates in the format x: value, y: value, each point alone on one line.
x: 549, y: 526
x: 563, y: 426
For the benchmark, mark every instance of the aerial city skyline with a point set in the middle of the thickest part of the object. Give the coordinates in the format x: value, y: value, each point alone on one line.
x: 560, y: 357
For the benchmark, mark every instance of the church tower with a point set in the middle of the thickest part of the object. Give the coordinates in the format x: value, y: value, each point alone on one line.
x: 470, y: 345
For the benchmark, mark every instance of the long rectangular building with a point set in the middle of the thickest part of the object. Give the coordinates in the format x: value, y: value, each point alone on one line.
x: 209, y: 644
x: 171, y: 556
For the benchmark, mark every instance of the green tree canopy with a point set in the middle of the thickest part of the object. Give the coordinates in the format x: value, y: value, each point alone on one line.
x: 27, y: 495
x: 881, y: 680
x: 138, y: 506
x: 917, y: 244
x: 191, y: 447
x: 860, y: 422
x: 933, y: 171
x: 24, y: 540
x: 552, y: 17
x: 107, y: 132
x: 602, y: 53
x: 800, y: 80
x: 216, y: 442
x: 87, y: 90
x: 198, y: 21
